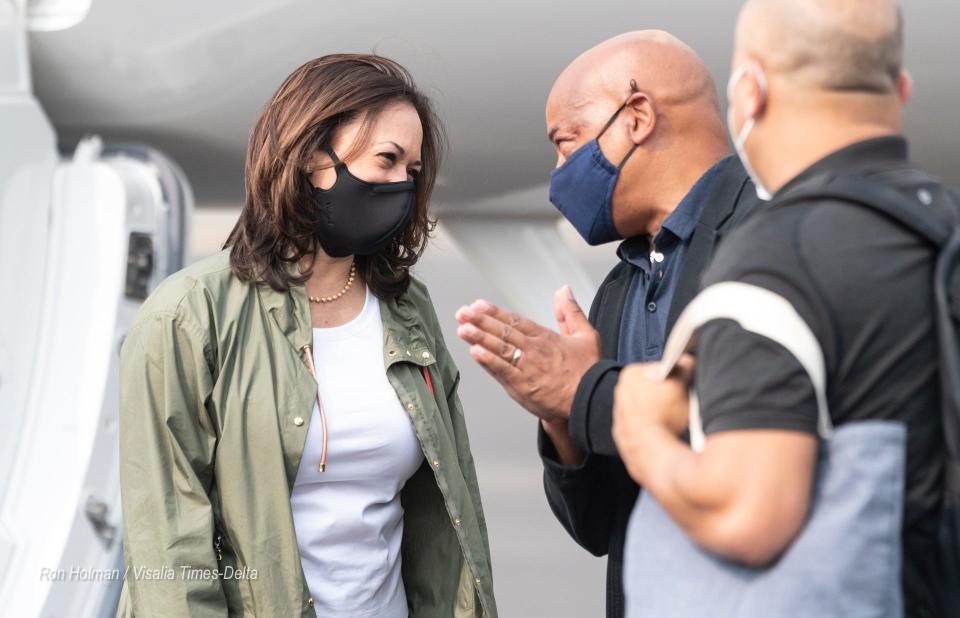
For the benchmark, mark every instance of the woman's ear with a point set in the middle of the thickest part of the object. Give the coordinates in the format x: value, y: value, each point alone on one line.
x: 642, y: 117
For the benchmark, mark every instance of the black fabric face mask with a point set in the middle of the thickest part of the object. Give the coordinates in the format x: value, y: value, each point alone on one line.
x: 356, y: 217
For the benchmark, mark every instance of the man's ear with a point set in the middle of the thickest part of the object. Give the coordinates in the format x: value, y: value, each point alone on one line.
x: 905, y: 86
x: 643, y: 117
x: 755, y: 90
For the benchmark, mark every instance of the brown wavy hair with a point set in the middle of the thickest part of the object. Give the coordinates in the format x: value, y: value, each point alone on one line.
x: 276, y: 224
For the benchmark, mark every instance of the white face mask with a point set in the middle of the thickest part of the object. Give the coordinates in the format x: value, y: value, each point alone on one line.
x: 741, y: 139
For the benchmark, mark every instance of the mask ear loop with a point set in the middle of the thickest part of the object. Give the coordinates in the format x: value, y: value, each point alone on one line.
x: 634, y: 89
x: 740, y: 73
x: 336, y: 160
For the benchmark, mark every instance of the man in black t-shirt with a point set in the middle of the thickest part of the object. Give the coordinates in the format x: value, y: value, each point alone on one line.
x: 817, y: 90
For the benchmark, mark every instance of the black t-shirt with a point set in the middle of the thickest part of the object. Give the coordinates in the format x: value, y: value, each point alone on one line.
x: 862, y: 283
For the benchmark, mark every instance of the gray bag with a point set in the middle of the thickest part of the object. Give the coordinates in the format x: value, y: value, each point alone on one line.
x: 846, y: 559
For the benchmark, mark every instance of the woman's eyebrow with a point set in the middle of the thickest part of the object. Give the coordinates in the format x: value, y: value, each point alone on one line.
x: 395, y: 145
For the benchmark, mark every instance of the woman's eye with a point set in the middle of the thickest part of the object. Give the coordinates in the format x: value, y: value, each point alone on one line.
x: 389, y: 156
x: 413, y: 174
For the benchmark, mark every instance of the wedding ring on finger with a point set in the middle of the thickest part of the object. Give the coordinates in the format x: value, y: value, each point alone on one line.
x: 517, y: 353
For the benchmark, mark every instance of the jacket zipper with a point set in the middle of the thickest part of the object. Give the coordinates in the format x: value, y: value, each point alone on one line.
x: 307, y: 352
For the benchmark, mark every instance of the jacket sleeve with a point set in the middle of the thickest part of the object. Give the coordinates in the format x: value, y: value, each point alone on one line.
x: 167, y: 445
x: 591, y: 416
x: 584, y: 497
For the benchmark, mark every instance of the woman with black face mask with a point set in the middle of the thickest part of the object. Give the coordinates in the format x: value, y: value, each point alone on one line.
x: 292, y: 442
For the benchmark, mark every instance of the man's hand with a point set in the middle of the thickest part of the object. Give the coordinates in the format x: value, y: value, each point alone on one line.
x: 545, y: 377
x: 744, y: 497
x: 644, y: 404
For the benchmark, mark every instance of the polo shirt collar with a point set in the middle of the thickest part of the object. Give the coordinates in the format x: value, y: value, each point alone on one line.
x: 679, y: 224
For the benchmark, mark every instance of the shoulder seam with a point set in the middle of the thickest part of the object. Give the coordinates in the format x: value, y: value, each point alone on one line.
x: 179, y: 316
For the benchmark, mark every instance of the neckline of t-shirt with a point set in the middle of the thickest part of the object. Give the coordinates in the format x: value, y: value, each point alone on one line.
x: 349, y: 328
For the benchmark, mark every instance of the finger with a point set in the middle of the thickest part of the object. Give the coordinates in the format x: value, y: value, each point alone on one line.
x: 634, y: 381
x: 652, y: 371
x: 495, y: 328
x: 514, y: 320
x: 684, y: 369
x: 473, y: 335
x: 561, y: 317
x: 501, y: 370
x: 573, y: 317
x: 464, y: 314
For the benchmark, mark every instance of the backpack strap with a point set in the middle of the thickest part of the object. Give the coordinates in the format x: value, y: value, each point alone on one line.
x: 949, y: 350
x: 868, y: 192
x: 915, y: 214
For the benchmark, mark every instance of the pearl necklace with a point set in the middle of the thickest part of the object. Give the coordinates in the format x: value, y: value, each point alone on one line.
x: 330, y: 299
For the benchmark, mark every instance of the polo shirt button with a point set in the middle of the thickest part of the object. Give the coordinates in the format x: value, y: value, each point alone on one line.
x: 456, y: 522
x: 477, y: 581
x: 426, y: 354
x: 436, y: 463
x: 410, y: 406
x: 310, y: 602
x: 298, y: 421
x: 651, y: 307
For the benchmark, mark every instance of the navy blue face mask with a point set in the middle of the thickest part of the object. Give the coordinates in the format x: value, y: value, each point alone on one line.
x: 582, y: 189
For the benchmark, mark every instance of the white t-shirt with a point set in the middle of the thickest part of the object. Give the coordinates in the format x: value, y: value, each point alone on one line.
x: 348, y: 519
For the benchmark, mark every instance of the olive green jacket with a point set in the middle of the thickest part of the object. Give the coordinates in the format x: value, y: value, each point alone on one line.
x: 215, y: 403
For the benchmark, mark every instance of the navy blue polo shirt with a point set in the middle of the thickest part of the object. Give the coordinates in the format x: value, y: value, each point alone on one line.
x: 655, y: 272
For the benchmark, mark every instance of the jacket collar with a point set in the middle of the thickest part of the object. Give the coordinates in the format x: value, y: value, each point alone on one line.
x: 403, y: 331
x: 290, y: 310
x: 726, y: 194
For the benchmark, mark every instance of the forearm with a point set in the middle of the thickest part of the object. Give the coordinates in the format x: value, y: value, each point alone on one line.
x: 736, y: 498
x: 668, y: 469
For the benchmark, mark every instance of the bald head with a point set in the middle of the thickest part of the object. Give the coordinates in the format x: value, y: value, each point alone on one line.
x: 812, y: 78
x: 665, y: 128
x: 661, y: 65
x: 831, y: 45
